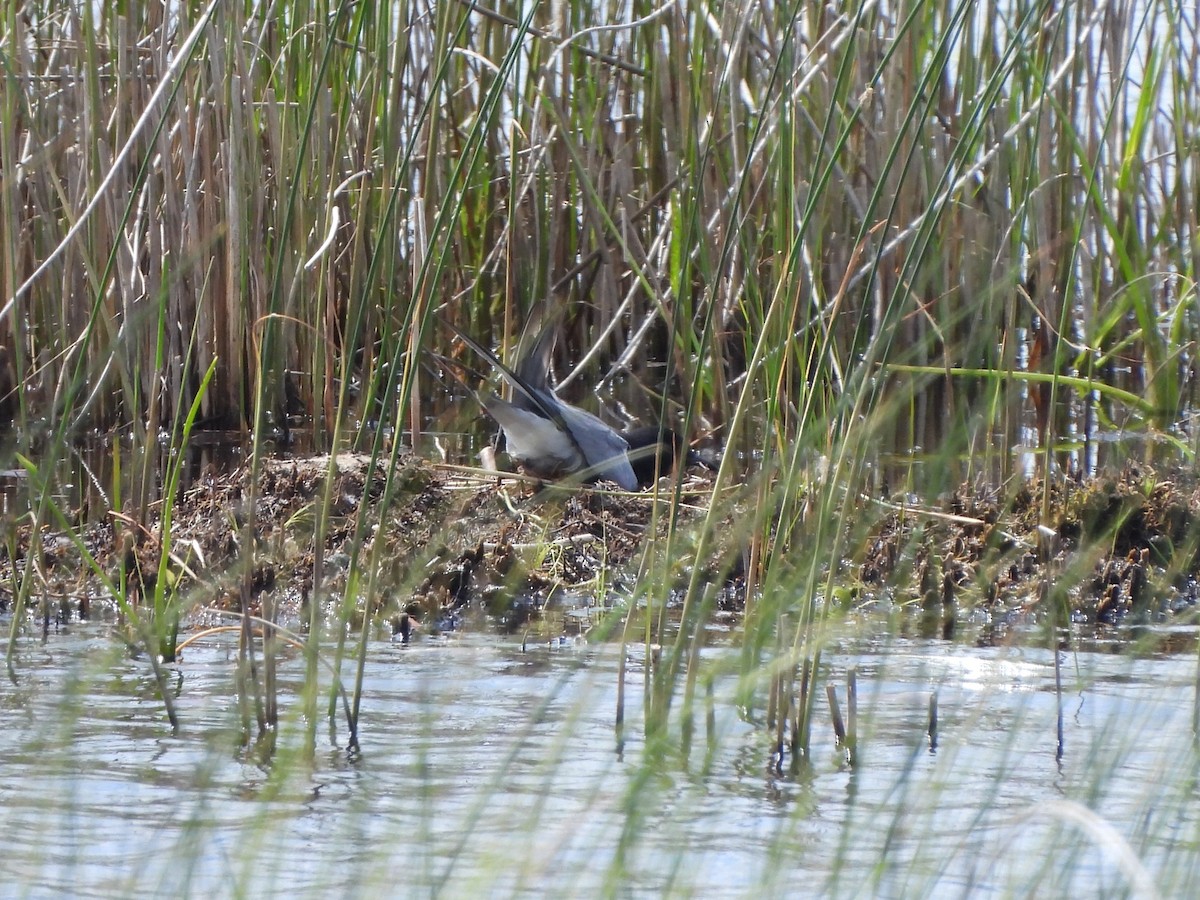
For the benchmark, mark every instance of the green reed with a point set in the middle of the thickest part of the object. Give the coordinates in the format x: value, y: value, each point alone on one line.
x: 811, y: 234
x: 283, y: 193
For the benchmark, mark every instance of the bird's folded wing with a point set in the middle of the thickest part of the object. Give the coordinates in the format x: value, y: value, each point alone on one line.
x: 604, y: 450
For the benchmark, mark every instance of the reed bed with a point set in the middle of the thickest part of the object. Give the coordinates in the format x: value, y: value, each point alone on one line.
x: 291, y: 190
x: 822, y: 237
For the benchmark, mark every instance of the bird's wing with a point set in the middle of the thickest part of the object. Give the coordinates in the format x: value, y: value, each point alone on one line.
x: 532, y: 398
x: 534, y: 367
x: 604, y: 450
x: 534, y: 440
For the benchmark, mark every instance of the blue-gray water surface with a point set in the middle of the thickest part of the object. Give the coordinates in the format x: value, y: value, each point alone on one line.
x: 489, y: 770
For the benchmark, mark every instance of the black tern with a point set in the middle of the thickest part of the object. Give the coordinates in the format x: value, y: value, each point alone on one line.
x: 552, y: 439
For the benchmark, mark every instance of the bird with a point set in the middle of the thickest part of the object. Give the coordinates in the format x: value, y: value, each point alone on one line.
x: 552, y: 439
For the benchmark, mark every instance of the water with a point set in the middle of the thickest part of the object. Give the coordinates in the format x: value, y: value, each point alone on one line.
x: 489, y: 771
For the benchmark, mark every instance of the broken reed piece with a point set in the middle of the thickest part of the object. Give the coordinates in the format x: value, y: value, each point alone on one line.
x: 839, y: 727
x: 619, y: 724
x: 933, y: 722
x: 1058, y: 694
x: 800, y: 720
x: 781, y: 720
x: 852, y: 713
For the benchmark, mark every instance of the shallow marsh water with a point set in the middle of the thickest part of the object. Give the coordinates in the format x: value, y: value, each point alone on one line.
x: 491, y: 771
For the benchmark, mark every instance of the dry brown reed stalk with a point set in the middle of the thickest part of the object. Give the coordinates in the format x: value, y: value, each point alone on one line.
x: 835, y: 712
x: 802, y: 718
x: 852, y: 715
x: 933, y: 721
x: 804, y: 126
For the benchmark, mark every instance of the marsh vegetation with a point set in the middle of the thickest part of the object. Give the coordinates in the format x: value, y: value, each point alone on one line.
x: 923, y: 274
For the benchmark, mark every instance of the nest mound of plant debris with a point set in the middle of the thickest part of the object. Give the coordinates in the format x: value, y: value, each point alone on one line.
x: 1105, y: 550
x: 450, y: 541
